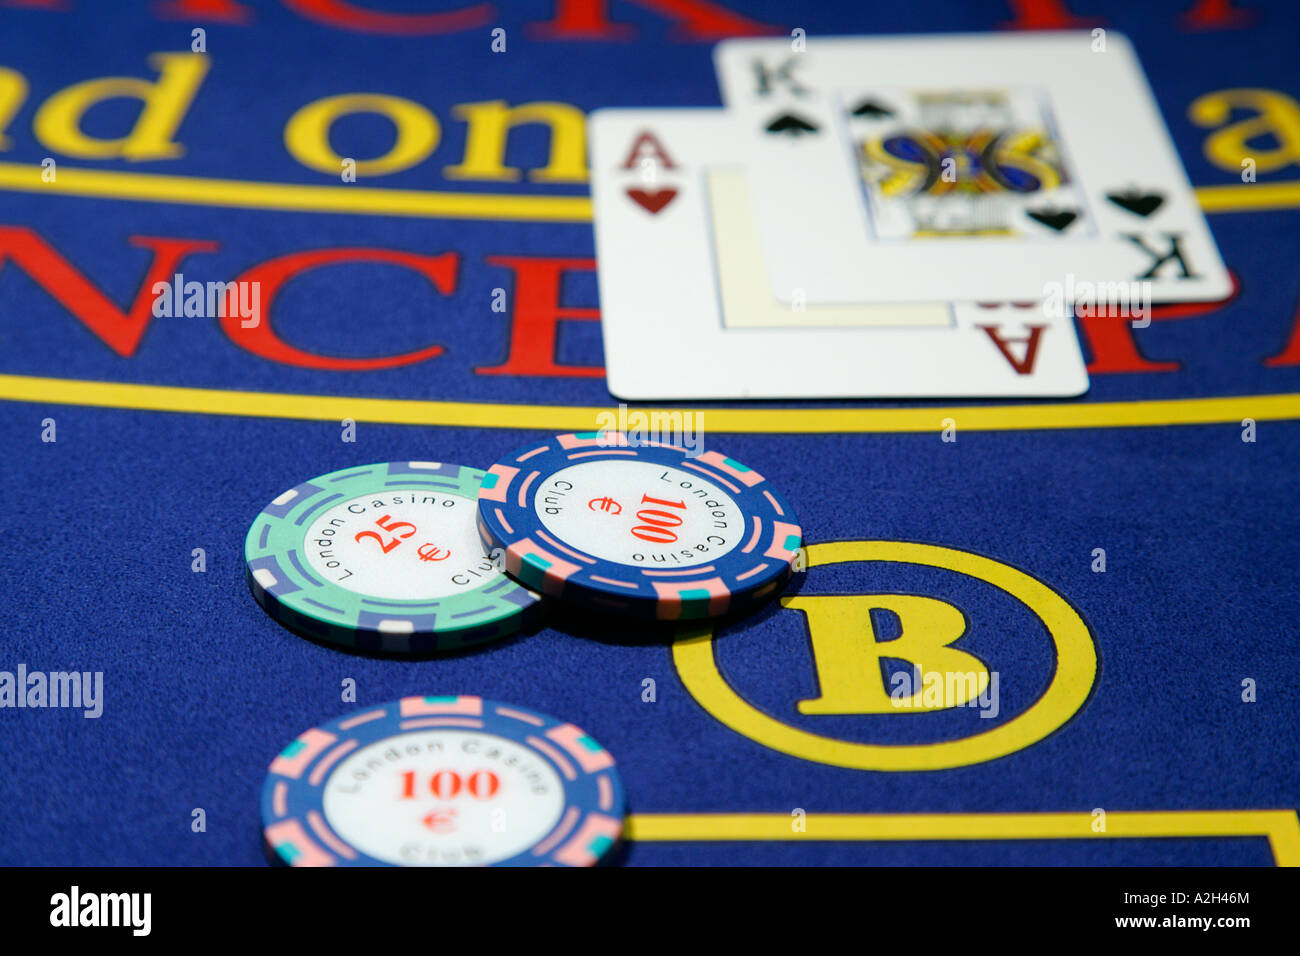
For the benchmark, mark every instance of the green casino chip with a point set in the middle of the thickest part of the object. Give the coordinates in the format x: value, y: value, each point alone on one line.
x: 384, y: 557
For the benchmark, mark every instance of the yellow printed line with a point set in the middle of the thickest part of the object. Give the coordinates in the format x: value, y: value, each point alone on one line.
x: 294, y: 197
x: 778, y: 421
x: 1247, y: 197
x: 341, y: 198
x: 1281, y: 827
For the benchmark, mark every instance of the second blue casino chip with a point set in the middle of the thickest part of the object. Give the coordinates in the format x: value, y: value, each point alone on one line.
x: 443, y: 781
x: 639, y: 528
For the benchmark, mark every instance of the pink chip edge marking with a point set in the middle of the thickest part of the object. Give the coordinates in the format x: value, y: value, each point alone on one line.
x: 323, y: 832
x: 771, y: 499
x: 577, y: 851
x: 780, y: 532
x: 280, y: 798
x: 748, y: 478
x: 421, y: 706
x: 598, y: 579
x: 570, y: 737
x: 367, y: 717
x: 559, y: 833
x: 712, y: 476
x: 670, y: 600
x: 329, y: 760
x: 560, y: 546
x: 513, y: 714
x: 566, y: 768
x: 314, y: 743
x: 291, y: 832
x: 530, y: 453
x: 556, y: 573
x: 498, y: 492
x: 522, y: 498
x: 752, y: 571
x: 679, y: 573
x: 621, y: 452
x: 601, y: 440
x: 420, y: 723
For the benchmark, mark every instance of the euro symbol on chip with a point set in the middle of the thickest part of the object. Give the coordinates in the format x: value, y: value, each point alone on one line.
x: 431, y: 552
x: 605, y: 504
x: 440, y: 821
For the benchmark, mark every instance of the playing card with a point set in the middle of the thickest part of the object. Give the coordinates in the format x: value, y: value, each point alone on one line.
x: 687, y: 310
x: 964, y: 167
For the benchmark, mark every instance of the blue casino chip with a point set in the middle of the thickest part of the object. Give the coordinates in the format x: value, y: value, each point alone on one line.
x: 643, y: 528
x: 443, y: 781
x: 384, y: 557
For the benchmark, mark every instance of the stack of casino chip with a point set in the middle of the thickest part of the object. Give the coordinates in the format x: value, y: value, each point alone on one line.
x: 420, y: 557
x: 414, y: 557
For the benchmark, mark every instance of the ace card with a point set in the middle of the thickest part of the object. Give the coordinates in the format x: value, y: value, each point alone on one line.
x: 687, y: 310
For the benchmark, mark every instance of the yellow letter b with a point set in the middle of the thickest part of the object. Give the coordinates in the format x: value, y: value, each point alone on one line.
x: 847, y: 654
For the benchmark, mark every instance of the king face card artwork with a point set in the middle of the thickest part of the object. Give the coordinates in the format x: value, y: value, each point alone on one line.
x: 949, y: 167
x: 952, y: 163
x: 687, y: 310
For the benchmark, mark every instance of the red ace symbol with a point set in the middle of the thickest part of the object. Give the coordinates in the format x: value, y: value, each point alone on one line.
x: 652, y: 202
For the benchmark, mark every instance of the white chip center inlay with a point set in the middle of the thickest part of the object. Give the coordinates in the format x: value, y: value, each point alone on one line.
x: 444, y: 797
x: 640, y: 514
x: 400, y: 544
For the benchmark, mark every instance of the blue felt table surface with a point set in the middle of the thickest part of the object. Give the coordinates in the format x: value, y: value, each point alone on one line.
x: 202, y: 688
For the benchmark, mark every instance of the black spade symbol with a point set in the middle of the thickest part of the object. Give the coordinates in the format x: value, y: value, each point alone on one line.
x: 1136, y: 201
x: 789, y: 124
x: 872, y: 110
x: 1058, y: 219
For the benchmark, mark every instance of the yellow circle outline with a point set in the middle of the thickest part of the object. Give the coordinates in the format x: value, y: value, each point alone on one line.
x: 1072, y: 680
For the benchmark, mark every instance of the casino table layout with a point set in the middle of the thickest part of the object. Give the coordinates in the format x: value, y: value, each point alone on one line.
x: 1123, y: 564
